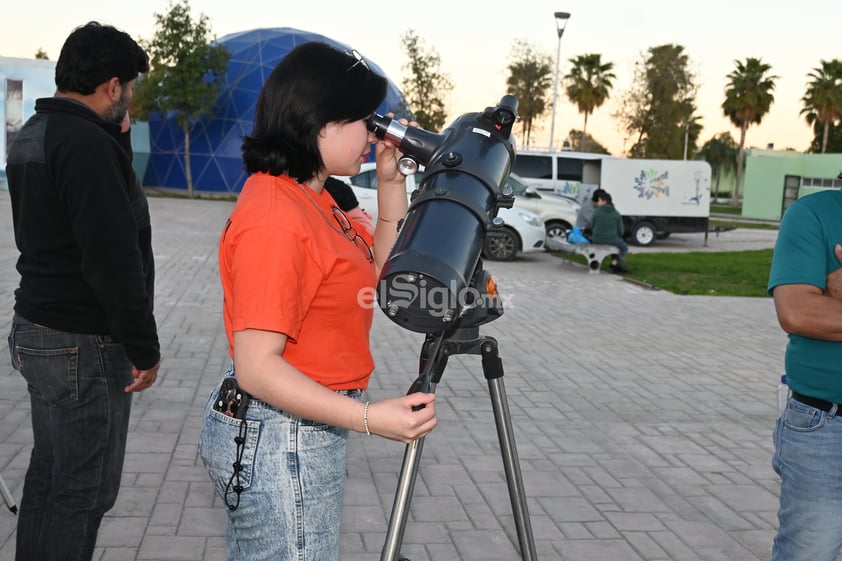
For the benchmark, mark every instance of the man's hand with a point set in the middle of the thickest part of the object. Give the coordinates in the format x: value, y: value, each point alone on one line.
x: 143, y: 379
x: 834, y: 279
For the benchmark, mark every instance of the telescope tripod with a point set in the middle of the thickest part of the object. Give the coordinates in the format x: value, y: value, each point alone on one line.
x: 434, y: 354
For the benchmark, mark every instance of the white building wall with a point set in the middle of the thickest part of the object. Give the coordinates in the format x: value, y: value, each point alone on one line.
x: 38, y: 77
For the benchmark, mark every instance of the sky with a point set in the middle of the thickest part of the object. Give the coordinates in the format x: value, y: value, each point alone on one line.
x: 475, y: 39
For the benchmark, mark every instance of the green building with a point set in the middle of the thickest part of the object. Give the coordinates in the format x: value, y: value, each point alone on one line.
x: 775, y: 178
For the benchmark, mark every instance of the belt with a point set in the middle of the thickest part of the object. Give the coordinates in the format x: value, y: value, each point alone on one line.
x: 819, y: 404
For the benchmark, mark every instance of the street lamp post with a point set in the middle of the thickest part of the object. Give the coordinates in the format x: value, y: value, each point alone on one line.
x: 560, y: 23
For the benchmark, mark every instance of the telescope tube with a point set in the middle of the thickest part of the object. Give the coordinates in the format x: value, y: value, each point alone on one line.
x: 425, y: 284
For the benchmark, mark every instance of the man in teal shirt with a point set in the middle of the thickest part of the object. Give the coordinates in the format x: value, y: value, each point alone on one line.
x: 808, y: 435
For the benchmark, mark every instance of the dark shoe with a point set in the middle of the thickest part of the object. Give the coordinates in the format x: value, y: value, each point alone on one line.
x: 620, y: 269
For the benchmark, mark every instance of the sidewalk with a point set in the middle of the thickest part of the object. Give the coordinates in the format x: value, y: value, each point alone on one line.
x: 642, y: 419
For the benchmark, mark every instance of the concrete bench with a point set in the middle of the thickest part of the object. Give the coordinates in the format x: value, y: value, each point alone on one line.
x: 594, y: 253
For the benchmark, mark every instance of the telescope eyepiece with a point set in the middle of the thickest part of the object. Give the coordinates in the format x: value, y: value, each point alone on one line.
x: 378, y: 124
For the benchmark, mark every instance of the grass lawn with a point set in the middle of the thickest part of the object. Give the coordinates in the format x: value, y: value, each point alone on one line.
x: 735, y: 273
x: 725, y: 209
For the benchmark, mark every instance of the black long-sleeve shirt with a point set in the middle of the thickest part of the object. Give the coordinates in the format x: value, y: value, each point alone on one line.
x: 83, y: 229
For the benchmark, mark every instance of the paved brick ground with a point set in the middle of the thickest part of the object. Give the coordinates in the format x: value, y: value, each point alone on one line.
x: 642, y: 419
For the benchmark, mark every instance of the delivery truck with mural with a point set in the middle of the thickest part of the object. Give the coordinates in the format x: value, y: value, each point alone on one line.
x: 656, y: 197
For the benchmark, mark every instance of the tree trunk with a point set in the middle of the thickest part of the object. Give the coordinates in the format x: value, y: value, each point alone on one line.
x: 188, y: 175
x: 825, y: 135
x: 741, y: 158
x: 718, y: 178
x: 584, y: 134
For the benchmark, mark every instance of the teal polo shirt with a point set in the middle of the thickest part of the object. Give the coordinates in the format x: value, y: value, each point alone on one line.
x: 804, y: 254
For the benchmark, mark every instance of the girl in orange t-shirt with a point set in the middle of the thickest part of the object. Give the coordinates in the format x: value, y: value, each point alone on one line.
x: 298, y: 277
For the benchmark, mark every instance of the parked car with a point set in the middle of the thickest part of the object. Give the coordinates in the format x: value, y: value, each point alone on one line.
x: 521, y: 231
x: 557, y: 213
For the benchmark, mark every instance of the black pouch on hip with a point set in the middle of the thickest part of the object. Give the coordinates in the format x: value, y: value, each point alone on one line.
x: 232, y: 400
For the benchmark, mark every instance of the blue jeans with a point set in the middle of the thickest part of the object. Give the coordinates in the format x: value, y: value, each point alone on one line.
x: 808, y: 453
x: 80, y: 418
x: 293, y: 482
x: 622, y: 246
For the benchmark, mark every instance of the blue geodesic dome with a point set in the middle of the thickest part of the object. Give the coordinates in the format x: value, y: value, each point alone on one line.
x: 215, y: 156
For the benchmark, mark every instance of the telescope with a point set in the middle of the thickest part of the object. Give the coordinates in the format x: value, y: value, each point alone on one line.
x: 433, y: 279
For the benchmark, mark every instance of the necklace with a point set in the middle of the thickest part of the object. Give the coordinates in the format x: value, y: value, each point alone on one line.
x: 345, y: 229
x: 333, y: 227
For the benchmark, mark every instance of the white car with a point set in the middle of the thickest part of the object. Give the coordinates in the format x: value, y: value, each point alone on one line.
x: 558, y: 213
x: 521, y: 231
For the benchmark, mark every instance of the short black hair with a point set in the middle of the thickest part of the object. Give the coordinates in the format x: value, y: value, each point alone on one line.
x: 95, y: 53
x: 598, y: 194
x: 313, y: 85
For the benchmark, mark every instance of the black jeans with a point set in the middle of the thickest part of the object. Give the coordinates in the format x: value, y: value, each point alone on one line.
x: 80, y: 417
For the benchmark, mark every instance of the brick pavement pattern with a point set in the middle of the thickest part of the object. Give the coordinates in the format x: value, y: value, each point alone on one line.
x: 642, y: 421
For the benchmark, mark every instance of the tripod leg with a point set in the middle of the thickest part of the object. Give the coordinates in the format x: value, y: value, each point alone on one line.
x: 403, y: 496
x: 7, y: 496
x: 492, y: 368
x: 432, y: 363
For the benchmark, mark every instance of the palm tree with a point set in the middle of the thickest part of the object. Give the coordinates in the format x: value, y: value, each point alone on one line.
x: 721, y: 153
x: 823, y: 99
x: 748, y: 97
x: 588, y: 85
x: 530, y: 76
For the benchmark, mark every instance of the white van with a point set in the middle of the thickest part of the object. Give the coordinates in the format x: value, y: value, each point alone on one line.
x: 655, y: 197
x: 559, y: 172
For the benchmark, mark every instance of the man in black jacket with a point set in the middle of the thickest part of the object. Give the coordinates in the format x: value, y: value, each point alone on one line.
x: 83, y: 334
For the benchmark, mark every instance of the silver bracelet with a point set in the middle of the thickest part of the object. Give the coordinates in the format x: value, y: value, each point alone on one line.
x: 365, y: 418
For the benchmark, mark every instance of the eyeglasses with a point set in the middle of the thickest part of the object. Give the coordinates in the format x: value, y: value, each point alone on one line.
x: 351, y: 232
x: 358, y: 59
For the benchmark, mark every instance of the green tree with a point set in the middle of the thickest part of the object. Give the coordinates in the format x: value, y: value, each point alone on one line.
x: 594, y: 146
x: 834, y: 139
x: 659, y: 108
x: 589, y: 84
x: 426, y: 86
x: 185, y: 75
x: 721, y: 153
x: 748, y: 97
x: 41, y: 54
x: 530, y: 78
x: 823, y: 99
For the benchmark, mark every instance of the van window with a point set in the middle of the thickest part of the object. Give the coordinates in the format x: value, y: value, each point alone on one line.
x: 570, y: 169
x: 536, y: 167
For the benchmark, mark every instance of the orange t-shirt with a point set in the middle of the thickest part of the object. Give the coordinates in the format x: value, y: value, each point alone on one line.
x: 286, y: 266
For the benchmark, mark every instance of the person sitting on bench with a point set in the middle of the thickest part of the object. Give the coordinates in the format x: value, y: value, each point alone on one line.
x: 607, y: 228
